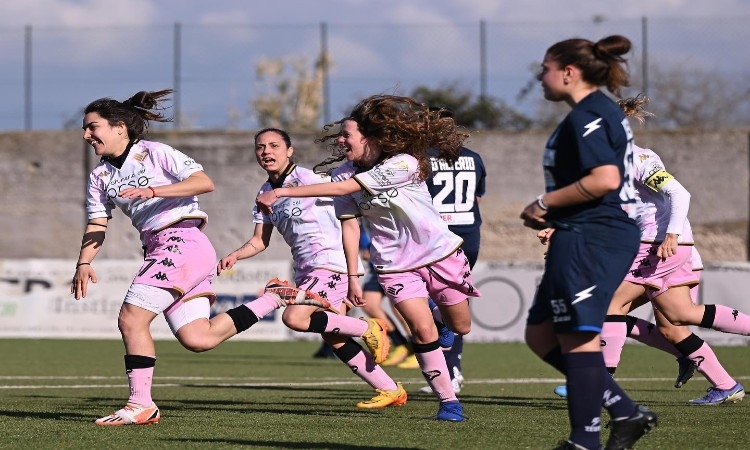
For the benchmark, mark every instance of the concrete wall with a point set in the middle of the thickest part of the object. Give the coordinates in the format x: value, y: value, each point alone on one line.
x: 43, y: 175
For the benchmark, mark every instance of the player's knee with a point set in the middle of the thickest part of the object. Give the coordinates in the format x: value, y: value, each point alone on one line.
x: 294, y: 322
x: 462, y: 328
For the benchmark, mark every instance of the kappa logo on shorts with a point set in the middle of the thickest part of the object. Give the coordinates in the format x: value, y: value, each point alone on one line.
x: 160, y: 276
x: 331, y: 284
x: 166, y: 262
x: 175, y: 239
x: 395, y: 289
x: 174, y: 249
x: 336, y: 277
x: 323, y: 294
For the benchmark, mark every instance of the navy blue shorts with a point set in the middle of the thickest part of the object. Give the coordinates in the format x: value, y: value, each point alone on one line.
x: 470, y: 246
x: 371, y: 283
x: 580, y: 278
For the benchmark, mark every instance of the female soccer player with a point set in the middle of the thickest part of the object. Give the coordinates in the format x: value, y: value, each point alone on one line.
x: 588, y: 168
x: 385, y: 140
x: 313, y: 233
x: 663, y: 272
x: 156, y: 187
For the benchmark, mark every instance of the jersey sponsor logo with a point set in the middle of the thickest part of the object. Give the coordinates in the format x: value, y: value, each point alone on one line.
x: 283, y: 214
x: 382, y: 199
x: 591, y: 127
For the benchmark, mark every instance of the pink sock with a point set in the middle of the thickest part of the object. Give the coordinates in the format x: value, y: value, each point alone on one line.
x: 730, y: 320
x: 613, y: 338
x: 708, y: 364
x: 345, y: 325
x: 647, y: 333
x: 263, y: 305
x: 363, y: 365
x: 435, y: 371
x: 140, y: 386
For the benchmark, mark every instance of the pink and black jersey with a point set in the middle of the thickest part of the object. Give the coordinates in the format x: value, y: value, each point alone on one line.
x: 308, y: 225
x: 144, y: 164
x: 407, y: 231
x: 653, y: 206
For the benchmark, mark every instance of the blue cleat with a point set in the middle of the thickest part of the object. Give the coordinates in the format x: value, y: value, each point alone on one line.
x: 450, y: 412
x: 718, y: 396
x: 562, y: 391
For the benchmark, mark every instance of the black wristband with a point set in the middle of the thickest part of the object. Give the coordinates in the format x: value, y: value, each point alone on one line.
x: 82, y: 264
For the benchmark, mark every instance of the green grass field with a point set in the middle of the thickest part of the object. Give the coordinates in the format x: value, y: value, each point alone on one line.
x: 275, y: 395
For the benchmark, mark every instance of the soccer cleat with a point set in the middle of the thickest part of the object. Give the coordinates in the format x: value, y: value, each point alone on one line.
x: 376, y: 339
x: 395, y: 397
x: 131, y: 414
x: 397, y: 355
x: 685, y: 371
x: 625, y: 432
x: 290, y: 295
x: 562, y: 391
x: 450, y: 412
x: 568, y: 445
x: 409, y: 363
x: 718, y: 396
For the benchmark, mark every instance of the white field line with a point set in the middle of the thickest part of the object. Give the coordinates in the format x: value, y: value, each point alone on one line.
x: 267, y: 382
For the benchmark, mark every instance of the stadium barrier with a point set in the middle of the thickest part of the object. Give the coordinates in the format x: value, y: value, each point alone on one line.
x: 35, y: 299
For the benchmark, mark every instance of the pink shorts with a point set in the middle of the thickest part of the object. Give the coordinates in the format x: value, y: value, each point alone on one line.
x: 447, y: 282
x: 180, y: 258
x: 332, y: 286
x: 658, y: 275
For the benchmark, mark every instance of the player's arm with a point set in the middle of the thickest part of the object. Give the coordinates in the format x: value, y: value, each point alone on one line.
x: 257, y: 243
x: 350, y: 239
x: 195, y: 184
x: 679, y: 206
x: 600, y: 181
x: 333, y: 189
x: 93, y: 239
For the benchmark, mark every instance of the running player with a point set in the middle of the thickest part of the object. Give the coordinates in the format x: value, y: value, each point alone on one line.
x: 385, y: 140
x: 588, y: 166
x: 310, y: 228
x: 664, y: 273
x: 156, y: 187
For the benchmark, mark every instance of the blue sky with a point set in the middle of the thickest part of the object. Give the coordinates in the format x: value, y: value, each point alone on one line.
x: 84, y: 49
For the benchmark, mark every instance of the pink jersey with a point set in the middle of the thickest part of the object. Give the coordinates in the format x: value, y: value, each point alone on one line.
x: 653, y: 205
x: 407, y: 231
x: 146, y: 164
x: 308, y: 225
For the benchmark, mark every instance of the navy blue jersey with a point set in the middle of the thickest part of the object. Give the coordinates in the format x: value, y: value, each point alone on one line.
x: 595, y: 133
x: 454, y: 189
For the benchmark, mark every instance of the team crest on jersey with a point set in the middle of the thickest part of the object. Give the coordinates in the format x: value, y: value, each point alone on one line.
x: 140, y: 156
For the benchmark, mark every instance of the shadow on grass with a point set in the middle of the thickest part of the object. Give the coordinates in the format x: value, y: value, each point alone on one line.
x: 282, y: 444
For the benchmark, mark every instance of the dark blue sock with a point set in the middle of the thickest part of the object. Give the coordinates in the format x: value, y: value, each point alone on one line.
x: 616, y: 401
x: 453, y: 356
x: 586, y: 378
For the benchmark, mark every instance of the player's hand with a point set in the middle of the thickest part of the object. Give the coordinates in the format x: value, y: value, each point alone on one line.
x: 79, y: 285
x: 668, y: 247
x: 355, y: 295
x: 545, y: 235
x: 533, y: 216
x: 136, y: 193
x: 266, y: 200
x: 226, y: 263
